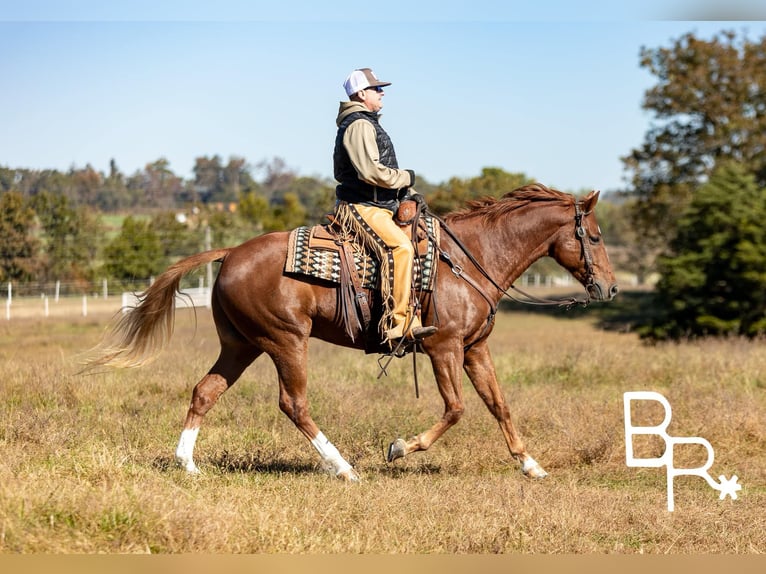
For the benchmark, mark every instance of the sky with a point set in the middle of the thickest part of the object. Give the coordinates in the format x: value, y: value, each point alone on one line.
x: 551, y: 89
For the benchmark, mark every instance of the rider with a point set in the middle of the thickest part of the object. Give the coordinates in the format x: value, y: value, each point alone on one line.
x: 371, y: 186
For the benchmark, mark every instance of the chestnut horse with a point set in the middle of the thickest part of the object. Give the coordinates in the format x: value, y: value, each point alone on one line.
x: 258, y: 309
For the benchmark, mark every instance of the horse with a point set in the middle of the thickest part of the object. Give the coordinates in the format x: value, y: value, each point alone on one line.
x: 258, y: 308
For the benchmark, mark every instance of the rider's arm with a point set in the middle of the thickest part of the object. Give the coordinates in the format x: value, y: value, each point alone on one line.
x: 359, y: 140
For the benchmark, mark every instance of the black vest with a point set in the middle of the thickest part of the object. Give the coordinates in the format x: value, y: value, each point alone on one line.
x: 351, y: 188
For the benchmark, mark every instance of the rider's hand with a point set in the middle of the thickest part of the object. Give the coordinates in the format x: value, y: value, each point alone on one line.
x: 417, y: 198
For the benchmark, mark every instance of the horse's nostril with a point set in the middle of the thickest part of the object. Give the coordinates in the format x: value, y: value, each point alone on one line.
x: 614, y: 290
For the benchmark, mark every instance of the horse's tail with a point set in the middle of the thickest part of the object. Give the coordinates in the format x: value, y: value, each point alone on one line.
x: 143, y: 331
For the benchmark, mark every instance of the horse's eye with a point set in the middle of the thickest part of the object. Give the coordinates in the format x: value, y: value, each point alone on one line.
x: 595, y: 239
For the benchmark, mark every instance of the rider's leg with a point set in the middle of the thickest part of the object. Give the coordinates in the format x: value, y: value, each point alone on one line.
x: 381, y: 221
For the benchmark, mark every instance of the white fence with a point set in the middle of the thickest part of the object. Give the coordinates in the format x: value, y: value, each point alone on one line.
x: 45, y: 305
x: 59, y: 299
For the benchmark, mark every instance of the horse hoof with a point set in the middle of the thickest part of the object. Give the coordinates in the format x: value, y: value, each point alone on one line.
x: 188, y: 466
x: 396, y: 449
x: 535, y: 471
x: 349, y: 475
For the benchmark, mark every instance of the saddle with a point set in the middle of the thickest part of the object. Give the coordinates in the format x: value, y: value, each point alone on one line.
x: 324, y: 252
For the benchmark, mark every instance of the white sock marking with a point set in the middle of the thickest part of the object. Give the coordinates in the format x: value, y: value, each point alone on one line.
x: 185, y: 449
x: 330, y: 454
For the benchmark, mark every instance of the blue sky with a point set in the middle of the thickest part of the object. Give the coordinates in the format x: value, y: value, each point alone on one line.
x: 553, y: 91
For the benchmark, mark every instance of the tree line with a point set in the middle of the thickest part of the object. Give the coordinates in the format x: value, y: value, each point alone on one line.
x: 691, y: 214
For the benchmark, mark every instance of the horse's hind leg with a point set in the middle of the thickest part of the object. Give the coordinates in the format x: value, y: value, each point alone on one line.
x: 478, y: 365
x: 224, y: 373
x: 290, y: 362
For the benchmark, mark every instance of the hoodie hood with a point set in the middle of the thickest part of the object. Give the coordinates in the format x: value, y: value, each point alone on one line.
x: 347, y: 108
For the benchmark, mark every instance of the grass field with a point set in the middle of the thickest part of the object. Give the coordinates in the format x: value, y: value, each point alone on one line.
x: 86, y: 462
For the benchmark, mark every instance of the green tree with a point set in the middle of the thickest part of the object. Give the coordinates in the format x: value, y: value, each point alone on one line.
x: 287, y: 214
x: 316, y: 196
x: 8, y: 179
x: 114, y: 193
x: 176, y: 237
x: 70, y: 237
x: 713, y: 277
x: 18, y: 247
x: 253, y: 210
x: 709, y: 104
x: 136, y: 253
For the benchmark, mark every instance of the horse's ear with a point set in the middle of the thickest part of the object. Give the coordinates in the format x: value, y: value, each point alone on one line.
x: 590, y: 200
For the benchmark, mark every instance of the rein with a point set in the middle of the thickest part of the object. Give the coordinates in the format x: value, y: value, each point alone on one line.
x: 530, y: 299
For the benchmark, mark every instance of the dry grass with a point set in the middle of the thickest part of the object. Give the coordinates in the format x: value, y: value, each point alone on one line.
x: 86, y: 461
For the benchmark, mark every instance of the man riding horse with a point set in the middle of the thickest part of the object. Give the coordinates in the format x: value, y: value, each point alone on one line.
x: 370, y: 187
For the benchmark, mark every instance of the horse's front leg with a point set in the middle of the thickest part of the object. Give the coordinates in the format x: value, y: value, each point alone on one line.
x: 481, y: 371
x: 446, y: 366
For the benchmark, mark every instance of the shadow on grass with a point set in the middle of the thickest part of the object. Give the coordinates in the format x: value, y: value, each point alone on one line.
x: 227, y: 462
x: 624, y: 314
x: 400, y: 471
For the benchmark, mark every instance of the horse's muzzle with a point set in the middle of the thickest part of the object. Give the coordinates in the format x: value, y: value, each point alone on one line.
x: 599, y: 291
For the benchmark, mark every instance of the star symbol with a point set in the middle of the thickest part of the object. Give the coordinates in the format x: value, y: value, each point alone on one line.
x: 729, y: 486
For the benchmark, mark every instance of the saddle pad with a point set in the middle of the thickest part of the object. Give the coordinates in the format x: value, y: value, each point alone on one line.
x: 311, y: 251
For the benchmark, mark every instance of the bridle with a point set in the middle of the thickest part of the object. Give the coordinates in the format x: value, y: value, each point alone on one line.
x: 582, y: 236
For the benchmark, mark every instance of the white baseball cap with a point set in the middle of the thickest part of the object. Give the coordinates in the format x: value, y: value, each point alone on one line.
x: 361, y: 79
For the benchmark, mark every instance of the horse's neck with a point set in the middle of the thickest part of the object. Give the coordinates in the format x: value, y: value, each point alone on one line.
x: 506, y: 249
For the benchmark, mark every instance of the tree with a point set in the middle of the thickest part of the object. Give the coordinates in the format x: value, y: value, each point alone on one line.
x: 70, y: 237
x: 277, y: 179
x: 136, y: 253
x: 208, y: 178
x: 714, y: 273
x: 114, y: 193
x: 710, y: 106
x: 162, y: 186
x: 253, y: 210
x: 175, y: 236
x: 316, y: 196
x: 287, y: 214
x: 18, y: 247
x: 85, y: 185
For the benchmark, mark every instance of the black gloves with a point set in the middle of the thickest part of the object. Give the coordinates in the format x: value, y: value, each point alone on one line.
x: 419, y: 199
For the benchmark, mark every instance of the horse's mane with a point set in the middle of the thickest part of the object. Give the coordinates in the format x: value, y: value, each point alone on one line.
x: 493, y: 208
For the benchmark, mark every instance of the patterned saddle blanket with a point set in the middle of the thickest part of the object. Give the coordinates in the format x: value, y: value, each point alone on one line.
x: 313, y: 251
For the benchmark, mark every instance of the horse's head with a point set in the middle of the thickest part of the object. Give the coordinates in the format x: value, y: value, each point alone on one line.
x: 580, y: 249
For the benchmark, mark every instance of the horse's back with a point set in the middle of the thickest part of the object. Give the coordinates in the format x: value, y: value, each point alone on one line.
x: 252, y: 284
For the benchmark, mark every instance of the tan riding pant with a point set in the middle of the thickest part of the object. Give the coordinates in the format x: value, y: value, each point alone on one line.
x: 381, y: 220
